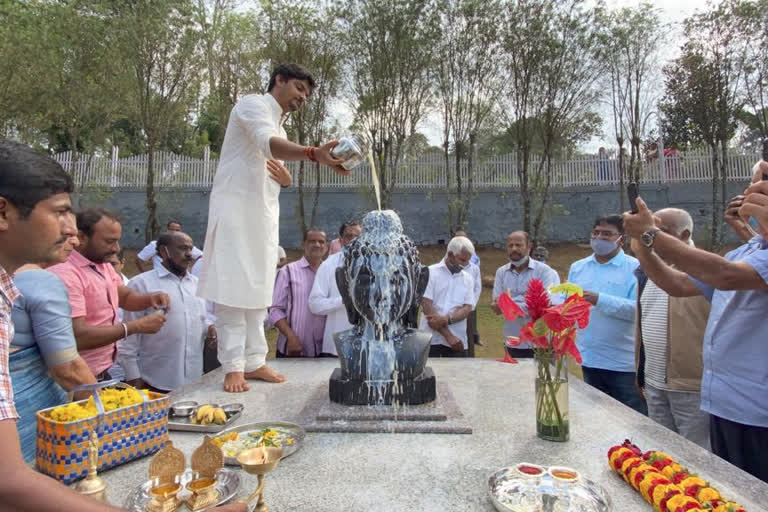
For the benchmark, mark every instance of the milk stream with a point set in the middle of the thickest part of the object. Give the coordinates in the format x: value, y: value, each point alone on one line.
x: 375, y: 178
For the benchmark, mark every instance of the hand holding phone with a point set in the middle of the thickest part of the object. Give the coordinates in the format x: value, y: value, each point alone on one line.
x: 632, y: 194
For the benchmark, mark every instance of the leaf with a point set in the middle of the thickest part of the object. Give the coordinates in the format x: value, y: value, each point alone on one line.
x: 567, y: 288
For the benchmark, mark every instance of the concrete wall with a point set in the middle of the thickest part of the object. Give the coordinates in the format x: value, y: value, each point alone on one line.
x: 424, y: 214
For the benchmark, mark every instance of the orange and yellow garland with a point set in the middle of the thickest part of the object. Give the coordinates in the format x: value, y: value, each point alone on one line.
x: 664, y: 483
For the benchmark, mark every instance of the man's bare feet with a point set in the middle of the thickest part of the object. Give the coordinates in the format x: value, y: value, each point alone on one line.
x: 234, y: 382
x: 265, y: 373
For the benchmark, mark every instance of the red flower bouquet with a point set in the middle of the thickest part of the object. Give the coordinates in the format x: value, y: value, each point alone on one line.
x: 552, y: 332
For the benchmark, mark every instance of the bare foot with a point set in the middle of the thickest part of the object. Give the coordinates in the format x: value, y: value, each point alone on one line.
x: 265, y: 373
x: 234, y: 382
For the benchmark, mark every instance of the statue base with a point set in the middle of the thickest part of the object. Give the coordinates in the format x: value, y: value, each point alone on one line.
x: 420, y: 390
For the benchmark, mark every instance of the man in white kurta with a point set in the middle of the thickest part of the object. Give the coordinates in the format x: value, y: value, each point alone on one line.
x: 325, y: 298
x: 241, y: 241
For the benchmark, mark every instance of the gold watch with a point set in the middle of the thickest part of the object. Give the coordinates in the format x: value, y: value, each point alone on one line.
x: 649, y: 237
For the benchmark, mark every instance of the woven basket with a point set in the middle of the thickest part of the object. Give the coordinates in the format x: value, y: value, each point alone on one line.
x: 124, y: 434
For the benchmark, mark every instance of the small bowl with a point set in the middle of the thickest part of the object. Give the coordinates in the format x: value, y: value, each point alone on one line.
x: 563, y: 474
x: 183, y: 409
x: 528, y: 470
x: 232, y: 409
x: 165, y: 491
x: 201, y: 484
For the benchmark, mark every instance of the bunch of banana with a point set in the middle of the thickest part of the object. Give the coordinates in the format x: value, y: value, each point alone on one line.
x: 207, y: 414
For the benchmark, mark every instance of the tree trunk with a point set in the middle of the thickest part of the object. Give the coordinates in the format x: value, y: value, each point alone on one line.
x: 620, y: 170
x: 723, y: 188
x: 459, y: 201
x: 152, y: 227
x: 316, y: 198
x: 524, y: 193
x: 301, y: 219
x: 544, y: 199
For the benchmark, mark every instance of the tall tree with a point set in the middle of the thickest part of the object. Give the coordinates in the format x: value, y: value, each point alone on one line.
x: 300, y: 32
x: 160, y: 40
x: 632, y: 40
x: 752, y: 17
x: 703, y: 94
x: 389, y: 48
x: 467, y: 78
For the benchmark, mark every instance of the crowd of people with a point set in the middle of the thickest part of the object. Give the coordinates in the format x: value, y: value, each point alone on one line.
x: 675, y: 331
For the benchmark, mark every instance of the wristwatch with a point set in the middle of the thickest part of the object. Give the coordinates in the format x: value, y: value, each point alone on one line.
x: 649, y: 237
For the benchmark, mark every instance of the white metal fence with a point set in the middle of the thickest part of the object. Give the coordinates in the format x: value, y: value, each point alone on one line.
x: 425, y: 172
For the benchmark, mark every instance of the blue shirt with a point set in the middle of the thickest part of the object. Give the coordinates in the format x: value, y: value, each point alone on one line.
x: 516, y: 283
x: 735, y: 376
x: 608, y: 342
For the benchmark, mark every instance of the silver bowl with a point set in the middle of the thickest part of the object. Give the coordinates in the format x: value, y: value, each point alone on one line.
x: 232, y: 409
x: 183, y: 409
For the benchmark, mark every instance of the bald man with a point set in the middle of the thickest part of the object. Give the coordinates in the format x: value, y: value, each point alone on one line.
x: 668, y: 343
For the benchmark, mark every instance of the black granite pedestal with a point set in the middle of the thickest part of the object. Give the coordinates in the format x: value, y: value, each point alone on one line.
x: 416, y: 391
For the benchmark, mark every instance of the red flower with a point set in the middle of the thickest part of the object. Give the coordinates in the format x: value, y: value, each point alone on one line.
x: 533, y: 332
x: 536, y: 299
x: 508, y: 307
x: 575, y: 310
x: 564, y: 343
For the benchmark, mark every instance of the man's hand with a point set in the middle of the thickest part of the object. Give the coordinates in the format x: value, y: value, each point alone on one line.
x: 324, y: 156
x: 436, y: 322
x: 279, y: 173
x: 149, y: 324
x: 495, y: 307
x: 591, y: 297
x: 758, y: 169
x: 293, y: 345
x: 160, y: 301
x: 638, y: 223
x: 756, y: 205
x: 211, y: 338
x: 737, y: 224
x: 455, y: 343
x: 137, y: 383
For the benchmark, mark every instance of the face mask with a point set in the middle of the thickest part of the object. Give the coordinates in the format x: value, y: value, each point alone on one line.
x: 602, y: 247
x: 518, y: 263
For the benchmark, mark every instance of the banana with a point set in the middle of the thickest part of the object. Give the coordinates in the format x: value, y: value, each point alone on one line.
x: 219, y: 416
x: 208, y: 416
x: 202, y: 412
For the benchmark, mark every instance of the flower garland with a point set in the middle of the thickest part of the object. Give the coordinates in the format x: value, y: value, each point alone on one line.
x: 664, y: 483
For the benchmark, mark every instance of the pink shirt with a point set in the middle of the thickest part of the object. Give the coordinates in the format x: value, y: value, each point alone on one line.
x: 93, y: 294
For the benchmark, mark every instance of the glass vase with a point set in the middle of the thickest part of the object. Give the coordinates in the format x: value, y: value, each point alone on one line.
x: 551, y: 396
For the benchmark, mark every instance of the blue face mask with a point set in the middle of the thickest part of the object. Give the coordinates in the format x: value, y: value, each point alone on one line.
x: 602, y: 247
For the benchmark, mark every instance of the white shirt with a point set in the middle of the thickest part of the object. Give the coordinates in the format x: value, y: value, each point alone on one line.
x: 325, y: 299
x: 474, y: 271
x: 654, y: 304
x: 448, y: 292
x: 149, y: 252
x: 244, y: 212
x: 173, y: 356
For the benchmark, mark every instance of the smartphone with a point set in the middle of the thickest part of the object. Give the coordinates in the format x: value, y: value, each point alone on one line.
x: 632, y: 194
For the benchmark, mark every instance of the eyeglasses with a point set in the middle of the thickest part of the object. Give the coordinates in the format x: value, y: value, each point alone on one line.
x: 605, y: 234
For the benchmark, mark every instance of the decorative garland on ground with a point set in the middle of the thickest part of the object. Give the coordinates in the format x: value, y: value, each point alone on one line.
x: 664, y: 483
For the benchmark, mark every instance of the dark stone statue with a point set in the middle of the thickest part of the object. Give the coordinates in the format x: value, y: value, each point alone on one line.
x: 382, y: 282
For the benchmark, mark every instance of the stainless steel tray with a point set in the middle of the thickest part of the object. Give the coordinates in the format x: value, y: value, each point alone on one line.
x: 511, y: 491
x: 227, y: 483
x: 284, y: 428
x: 183, y: 423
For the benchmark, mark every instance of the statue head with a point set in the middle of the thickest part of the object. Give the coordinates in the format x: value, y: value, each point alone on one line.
x: 381, y: 278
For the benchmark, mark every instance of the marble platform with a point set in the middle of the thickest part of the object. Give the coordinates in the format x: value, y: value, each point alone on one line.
x: 399, y: 472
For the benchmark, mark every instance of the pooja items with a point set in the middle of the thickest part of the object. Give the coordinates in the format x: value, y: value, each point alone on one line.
x: 93, y: 485
x: 527, y: 487
x: 206, y: 462
x: 129, y: 424
x: 287, y: 436
x: 259, y: 461
x: 211, y: 418
x: 664, y: 483
x: 352, y: 149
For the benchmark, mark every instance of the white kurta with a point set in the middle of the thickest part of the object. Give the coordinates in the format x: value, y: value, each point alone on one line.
x: 243, y: 218
x: 325, y: 299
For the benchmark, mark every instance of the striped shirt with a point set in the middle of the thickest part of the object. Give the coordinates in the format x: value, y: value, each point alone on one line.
x: 654, y: 304
x: 9, y: 293
x: 290, y: 300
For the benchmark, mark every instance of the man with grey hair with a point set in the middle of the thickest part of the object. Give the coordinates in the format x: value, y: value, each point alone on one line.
x: 448, y: 300
x: 668, y: 343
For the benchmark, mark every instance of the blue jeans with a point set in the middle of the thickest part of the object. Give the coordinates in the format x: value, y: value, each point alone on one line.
x: 619, y: 385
